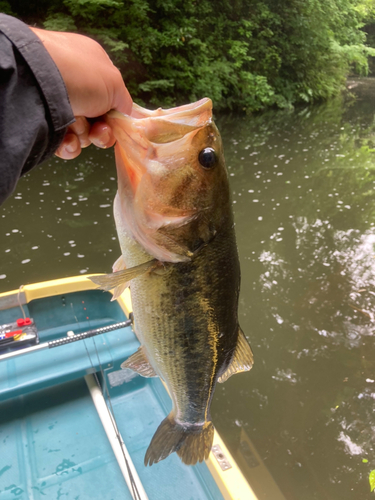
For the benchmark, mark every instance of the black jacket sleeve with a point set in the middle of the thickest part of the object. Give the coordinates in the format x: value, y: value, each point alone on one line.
x: 34, y: 106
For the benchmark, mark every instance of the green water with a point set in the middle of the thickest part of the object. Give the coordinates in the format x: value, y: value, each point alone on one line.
x: 303, y: 197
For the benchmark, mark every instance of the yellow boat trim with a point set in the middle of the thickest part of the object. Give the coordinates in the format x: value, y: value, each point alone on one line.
x: 231, y: 482
x: 53, y: 287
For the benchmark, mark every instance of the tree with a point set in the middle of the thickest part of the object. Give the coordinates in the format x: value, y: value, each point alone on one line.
x: 244, y: 54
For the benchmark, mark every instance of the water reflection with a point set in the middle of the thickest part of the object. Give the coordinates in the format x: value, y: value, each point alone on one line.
x: 303, y: 195
x: 336, y: 275
x: 303, y: 187
x: 60, y: 223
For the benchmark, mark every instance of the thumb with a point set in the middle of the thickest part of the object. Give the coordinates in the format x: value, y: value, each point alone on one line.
x: 122, y: 100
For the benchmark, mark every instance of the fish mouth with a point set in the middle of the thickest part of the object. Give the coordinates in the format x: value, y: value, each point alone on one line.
x: 193, y: 114
x: 159, y: 126
x: 151, y: 139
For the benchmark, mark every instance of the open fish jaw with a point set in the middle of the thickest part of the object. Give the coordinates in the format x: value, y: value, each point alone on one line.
x: 163, y: 125
x: 193, y: 111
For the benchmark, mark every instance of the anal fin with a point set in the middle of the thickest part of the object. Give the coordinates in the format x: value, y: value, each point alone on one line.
x: 139, y: 363
x: 242, y: 360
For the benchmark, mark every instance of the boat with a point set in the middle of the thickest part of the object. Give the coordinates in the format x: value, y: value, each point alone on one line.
x: 73, y: 425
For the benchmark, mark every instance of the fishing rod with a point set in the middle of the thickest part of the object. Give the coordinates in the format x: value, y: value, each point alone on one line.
x: 65, y: 340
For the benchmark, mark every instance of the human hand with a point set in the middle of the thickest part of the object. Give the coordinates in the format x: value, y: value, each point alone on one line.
x: 94, y: 87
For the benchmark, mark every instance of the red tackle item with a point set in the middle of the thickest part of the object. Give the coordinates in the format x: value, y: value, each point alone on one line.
x: 13, y: 333
x: 24, y: 322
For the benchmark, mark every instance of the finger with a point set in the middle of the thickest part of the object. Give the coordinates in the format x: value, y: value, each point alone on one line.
x: 101, y: 135
x: 70, y: 147
x: 81, y: 129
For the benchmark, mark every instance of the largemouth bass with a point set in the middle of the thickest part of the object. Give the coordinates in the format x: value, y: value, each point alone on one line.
x: 175, y: 226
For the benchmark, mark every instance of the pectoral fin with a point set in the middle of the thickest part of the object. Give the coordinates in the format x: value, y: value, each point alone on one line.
x: 119, y: 265
x: 139, y: 363
x: 113, y: 280
x: 243, y: 359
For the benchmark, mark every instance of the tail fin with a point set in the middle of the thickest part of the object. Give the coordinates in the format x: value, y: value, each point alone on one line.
x: 191, y: 442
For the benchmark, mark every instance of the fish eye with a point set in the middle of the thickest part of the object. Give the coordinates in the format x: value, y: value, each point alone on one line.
x: 207, y: 158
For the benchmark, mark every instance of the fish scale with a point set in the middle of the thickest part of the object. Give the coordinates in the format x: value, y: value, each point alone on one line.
x: 189, y: 329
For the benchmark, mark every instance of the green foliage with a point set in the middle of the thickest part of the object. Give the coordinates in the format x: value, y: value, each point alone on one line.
x: 244, y: 54
x: 372, y: 480
x: 60, y: 22
x: 5, y: 8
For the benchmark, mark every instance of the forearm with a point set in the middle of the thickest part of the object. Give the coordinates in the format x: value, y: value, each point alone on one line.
x: 34, y: 106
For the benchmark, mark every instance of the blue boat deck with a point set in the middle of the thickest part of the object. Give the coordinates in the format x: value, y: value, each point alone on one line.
x: 52, y: 442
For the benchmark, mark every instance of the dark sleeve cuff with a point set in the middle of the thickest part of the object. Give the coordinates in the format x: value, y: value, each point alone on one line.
x: 34, y: 105
x: 43, y: 67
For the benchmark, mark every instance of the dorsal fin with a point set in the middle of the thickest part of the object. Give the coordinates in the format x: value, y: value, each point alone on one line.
x: 139, y: 363
x: 243, y: 358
